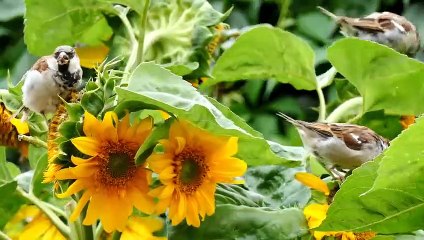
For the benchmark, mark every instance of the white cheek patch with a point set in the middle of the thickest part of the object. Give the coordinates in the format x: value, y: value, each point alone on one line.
x: 74, y: 65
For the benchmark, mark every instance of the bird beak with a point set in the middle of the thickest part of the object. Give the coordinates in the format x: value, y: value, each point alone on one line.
x: 63, y: 58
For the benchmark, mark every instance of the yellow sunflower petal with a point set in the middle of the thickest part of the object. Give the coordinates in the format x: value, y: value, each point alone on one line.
x: 109, y: 126
x: 231, y: 148
x: 79, y: 161
x: 74, y: 188
x: 315, y: 213
x: 181, y: 143
x: 141, y: 201
x: 167, y: 173
x: 313, y: 182
x: 84, y: 170
x: 90, y: 56
x: 80, y: 205
x: 35, y: 229
x: 91, y: 125
x: 226, y: 172
x: 158, y: 162
x: 123, y: 127
x: 64, y: 174
x: 86, y: 145
x: 192, y: 213
x: 118, y: 213
x: 144, y: 127
x: 21, y: 127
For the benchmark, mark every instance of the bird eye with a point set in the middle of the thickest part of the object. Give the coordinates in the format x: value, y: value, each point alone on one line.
x: 70, y: 54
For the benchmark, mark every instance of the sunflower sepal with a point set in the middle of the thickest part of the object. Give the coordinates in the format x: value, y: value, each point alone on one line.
x: 151, y: 143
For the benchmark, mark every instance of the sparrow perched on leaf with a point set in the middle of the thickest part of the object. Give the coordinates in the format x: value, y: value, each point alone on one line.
x: 49, y: 78
x: 339, y: 145
x: 385, y: 28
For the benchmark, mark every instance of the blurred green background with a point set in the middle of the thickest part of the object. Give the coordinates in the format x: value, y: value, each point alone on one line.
x: 255, y: 101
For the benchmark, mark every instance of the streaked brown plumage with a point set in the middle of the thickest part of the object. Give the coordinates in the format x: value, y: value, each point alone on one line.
x: 386, y: 28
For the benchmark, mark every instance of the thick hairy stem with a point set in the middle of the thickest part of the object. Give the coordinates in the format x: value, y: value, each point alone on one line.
x: 3, y: 236
x: 344, y: 109
x: 47, y: 211
x: 322, y: 105
x: 134, y: 44
x: 142, y: 34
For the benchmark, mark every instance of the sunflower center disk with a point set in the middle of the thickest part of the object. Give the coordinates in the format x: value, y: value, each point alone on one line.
x: 191, y: 171
x: 118, y: 166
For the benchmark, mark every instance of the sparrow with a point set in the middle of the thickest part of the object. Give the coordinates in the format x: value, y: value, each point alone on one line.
x: 385, y: 28
x: 339, y: 146
x: 51, y: 78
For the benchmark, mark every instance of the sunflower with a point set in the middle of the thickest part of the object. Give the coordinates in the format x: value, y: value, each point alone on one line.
x: 30, y: 223
x: 192, y: 163
x: 10, y: 129
x: 142, y: 228
x: 111, y: 182
x: 312, y: 181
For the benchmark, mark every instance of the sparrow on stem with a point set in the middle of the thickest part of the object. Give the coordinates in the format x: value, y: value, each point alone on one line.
x: 385, y: 28
x: 51, y: 78
x: 339, y: 145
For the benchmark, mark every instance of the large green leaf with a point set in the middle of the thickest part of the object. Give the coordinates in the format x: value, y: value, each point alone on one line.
x: 4, y: 172
x: 153, y: 85
x: 278, y: 185
x: 50, y: 23
x: 347, y: 211
x: 385, y: 196
x: 398, y: 190
x: 10, y: 202
x: 242, y: 222
x: 266, y: 52
x: 385, y: 78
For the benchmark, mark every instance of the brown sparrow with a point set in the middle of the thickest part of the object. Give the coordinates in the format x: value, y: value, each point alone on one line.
x: 385, y: 28
x: 339, y: 145
x: 50, y: 77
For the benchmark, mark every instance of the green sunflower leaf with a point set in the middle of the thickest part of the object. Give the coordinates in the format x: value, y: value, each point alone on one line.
x: 385, y: 78
x: 10, y: 202
x: 151, y: 84
x: 278, y: 186
x: 276, y: 54
x: 50, y: 23
x: 387, y: 195
x: 242, y: 222
x: 347, y: 212
x: 159, y: 132
x: 36, y: 182
x: 177, y: 33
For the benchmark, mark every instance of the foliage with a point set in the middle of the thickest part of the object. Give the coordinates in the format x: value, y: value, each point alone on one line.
x: 227, y: 67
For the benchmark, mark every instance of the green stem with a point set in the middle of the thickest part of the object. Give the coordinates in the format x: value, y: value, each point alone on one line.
x: 48, y: 212
x: 33, y: 140
x: 116, y: 235
x: 322, y: 105
x: 142, y: 34
x: 344, y: 109
x: 55, y: 209
x: 284, y: 10
x: 3, y: 236
x: 134, y: 44
x: 75, y: 226
x: 98, y: 232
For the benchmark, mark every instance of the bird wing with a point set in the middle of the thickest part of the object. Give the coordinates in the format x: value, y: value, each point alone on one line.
x: 353, y: 136
x: 365, y: 24
x: 41, y: 65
